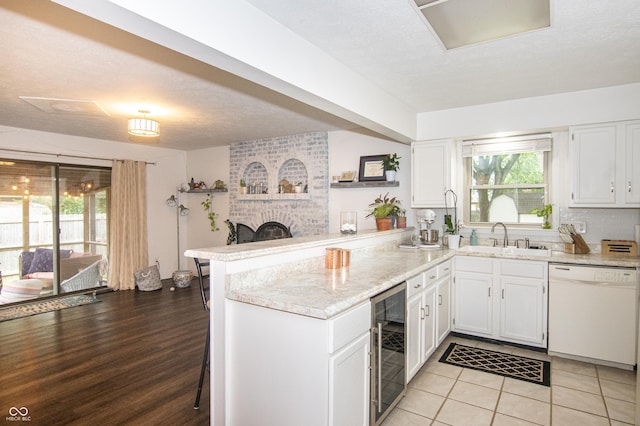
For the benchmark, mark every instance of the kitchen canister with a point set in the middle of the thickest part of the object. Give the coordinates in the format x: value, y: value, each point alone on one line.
x: 333, y: 258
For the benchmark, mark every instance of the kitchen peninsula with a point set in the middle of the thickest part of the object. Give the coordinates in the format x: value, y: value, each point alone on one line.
x: 286, y: 281
x: 283, y: 322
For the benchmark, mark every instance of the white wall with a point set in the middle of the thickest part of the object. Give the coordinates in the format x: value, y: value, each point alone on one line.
x: 540, y: 113
x: 162, y: 179
x: 345, y: 150
x: 206, y: 165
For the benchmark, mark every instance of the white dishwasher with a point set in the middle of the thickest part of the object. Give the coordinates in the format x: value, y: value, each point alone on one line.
x: 593, y: 313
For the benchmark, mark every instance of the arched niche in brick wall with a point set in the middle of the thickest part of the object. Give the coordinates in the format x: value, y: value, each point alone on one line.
x: 294, y: 171
x: 256, y: 176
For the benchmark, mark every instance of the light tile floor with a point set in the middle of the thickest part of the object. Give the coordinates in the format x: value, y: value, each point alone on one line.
x: 580, y: 394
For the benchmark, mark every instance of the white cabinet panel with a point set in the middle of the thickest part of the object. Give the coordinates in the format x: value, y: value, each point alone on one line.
x: 521, y: 310
x: 421, y: 324
x: 473, y: 307
x: 593, y: 156
x: 430, y: 173
x: 604, y: 165
x: 349, y: 384
x: 632, y: 169
x: 443, y: 305
x: 513, y: 310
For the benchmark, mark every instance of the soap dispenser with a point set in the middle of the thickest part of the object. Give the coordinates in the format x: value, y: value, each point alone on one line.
x: 474, y: 238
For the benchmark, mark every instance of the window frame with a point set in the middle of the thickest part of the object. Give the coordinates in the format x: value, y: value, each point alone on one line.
x: 467, y: 176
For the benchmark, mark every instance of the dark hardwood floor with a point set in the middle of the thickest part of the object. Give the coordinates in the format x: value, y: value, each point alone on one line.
x: 132, y: 359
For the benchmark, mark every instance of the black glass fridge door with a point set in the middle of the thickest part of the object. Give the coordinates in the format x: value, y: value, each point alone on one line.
x: 388, y: 346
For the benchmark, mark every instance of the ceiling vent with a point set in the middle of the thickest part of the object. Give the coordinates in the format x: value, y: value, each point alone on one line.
x: 458, y: 23
x: 66, y: 106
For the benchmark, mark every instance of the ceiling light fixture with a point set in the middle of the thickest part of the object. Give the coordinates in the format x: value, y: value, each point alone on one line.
x: 144, y: 126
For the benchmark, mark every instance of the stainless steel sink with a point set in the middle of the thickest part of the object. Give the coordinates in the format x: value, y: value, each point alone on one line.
x: 538, y: 252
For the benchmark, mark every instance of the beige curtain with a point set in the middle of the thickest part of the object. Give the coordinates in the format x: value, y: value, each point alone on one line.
x: 128, y: 234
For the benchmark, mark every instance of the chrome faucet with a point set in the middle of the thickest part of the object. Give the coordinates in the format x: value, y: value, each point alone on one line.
x: 505, y: 243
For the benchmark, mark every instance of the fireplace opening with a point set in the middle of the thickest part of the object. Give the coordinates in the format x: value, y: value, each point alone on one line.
x: 266, y: 231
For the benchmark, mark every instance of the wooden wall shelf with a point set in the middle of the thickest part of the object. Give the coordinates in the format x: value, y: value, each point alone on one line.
x: 374, y: 184
x: 204, y: 191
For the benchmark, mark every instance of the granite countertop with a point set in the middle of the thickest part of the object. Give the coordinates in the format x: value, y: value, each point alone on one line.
x: 323, y: 293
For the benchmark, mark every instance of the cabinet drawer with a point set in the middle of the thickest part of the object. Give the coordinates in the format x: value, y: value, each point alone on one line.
x: 474, y: 264
x: 349, y: 325
x: 415, y: 285
x: 525, y: 269
x: 430, y: 277
x: 444, y: 269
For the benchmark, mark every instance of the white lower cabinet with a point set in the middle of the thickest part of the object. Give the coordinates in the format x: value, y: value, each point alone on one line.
x: 421, y: 323
x: 286, y: 369
x: 443, y: 302
x: 501, y: 299
x: 348, y: 403
x: 428, y: 315
x: 473, y: 305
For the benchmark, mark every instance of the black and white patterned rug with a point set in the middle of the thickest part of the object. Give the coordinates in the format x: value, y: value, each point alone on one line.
x: 508, y: 365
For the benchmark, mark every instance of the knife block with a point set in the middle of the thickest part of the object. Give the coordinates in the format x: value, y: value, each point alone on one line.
x: 580, y: 246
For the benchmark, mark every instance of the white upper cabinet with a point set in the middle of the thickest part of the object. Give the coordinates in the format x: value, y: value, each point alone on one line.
x: 632, y: 169
x: 430, y: 173
x: 602, y: 160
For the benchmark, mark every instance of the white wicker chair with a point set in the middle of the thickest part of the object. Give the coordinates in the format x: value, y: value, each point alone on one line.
x: 89, y: 277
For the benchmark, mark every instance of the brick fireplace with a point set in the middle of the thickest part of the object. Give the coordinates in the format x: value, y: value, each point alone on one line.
x: 265, y: 164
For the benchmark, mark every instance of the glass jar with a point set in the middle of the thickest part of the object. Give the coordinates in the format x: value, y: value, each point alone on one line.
x: 348, y: 222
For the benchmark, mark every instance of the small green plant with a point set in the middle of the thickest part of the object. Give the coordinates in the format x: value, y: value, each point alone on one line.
x: 544, y: 212
x: 384, y: 206
x: 243, y: 184
x: 232, y: 237
x: 211, y: 215
x: 391, y: 162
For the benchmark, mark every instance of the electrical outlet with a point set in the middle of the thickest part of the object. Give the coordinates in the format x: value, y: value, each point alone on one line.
x: 581, y: 227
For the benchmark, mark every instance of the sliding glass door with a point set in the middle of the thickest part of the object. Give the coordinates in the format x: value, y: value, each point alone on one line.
x: 53, y: 228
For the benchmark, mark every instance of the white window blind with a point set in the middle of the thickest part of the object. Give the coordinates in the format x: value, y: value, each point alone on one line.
x: 511, y: 145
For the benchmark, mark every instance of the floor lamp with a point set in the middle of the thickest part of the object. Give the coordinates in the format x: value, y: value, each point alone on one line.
x: 181, y: 278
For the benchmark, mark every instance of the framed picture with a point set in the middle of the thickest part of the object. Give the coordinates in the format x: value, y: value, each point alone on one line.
x: 347, y: 176
x: 372, y: 168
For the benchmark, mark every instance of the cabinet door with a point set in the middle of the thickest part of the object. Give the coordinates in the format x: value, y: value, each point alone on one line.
x: 593, y: 158
x: 473, y: 303
x: 632, y: 169
x: 429, y: 324
x: 521, y: 310
x: 444, y: 309
x: 349, y: 384
x: 414, y: 334
x: 430, y: 173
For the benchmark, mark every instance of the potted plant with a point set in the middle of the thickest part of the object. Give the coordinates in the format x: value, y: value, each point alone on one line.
x: 243, y: 186
x: 391, y: 165
x: 298, y: 187
x: 544, y: 212
x: 211, y: 215
x: 381, y: 209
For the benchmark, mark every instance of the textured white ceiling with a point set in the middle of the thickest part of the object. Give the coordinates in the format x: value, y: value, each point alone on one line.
x: 50, y: 51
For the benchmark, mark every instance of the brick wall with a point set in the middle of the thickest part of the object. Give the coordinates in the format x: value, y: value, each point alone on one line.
x: 264, y: 163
